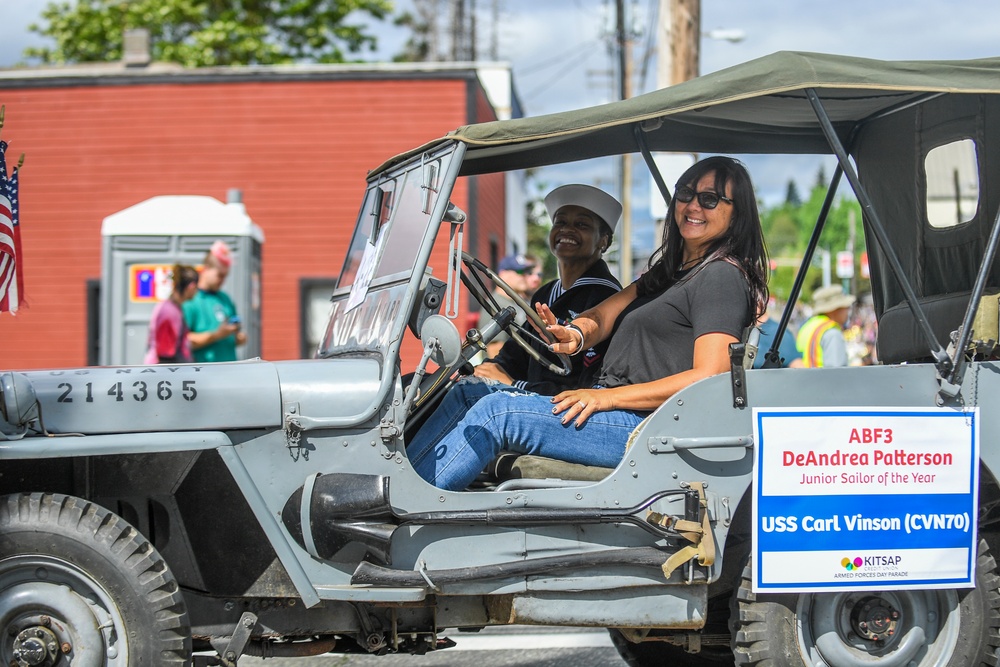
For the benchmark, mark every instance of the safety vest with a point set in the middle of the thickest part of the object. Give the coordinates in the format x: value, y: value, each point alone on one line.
x: 809, y: 337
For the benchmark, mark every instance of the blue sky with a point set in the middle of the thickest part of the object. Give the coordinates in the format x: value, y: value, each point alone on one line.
x: 560, y: 51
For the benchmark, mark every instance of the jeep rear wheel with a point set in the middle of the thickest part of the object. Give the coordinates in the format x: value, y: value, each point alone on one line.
x: 929, y: 628
x: 80, y: 586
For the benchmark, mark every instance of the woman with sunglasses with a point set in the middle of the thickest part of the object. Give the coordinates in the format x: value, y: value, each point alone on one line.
x: 672, y: 327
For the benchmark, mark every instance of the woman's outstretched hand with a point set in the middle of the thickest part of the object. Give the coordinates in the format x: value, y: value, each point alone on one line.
x: 566, y: 341
x: 581, y: 403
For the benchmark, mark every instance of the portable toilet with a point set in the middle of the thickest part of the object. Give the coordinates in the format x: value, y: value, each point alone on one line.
x: 140, y: 245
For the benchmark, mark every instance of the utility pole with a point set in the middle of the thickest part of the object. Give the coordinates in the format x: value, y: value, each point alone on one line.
x: 623, y: 37
x: 472, y: 31
x: 678, y: 34
x: 495, y: 32
x: 425, y: 27
x: 851, y: 238
x: 458, y: 30
x: 685, y: 39
x: 678, y: 59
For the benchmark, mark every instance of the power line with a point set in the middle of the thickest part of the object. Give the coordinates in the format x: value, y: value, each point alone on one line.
x: 555, y: 60
x: 559, y: 74
x: 651, y: 40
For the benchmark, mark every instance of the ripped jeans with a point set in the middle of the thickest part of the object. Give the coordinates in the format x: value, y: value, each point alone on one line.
x: 479, y: 418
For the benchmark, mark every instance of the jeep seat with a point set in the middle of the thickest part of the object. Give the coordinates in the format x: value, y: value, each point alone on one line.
x: 901, y: 340
x: 528, y: 471
x: 528, y: 466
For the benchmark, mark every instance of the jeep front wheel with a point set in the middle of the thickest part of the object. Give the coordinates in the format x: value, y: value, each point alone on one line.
x: 80, y: 586
x: 928, y: 628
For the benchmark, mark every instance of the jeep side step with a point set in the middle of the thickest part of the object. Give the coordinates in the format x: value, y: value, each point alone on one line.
x: 371, y: 574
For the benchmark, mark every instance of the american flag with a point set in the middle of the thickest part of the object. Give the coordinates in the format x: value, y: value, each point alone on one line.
x: 11, y: 269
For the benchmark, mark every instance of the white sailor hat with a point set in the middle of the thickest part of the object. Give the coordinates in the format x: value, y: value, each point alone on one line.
x: 593, y: 199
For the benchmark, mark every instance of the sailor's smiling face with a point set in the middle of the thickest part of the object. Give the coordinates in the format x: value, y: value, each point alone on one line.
x: 576, y: 234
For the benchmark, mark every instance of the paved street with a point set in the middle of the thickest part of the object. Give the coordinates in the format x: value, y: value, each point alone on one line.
x: 499, y: 647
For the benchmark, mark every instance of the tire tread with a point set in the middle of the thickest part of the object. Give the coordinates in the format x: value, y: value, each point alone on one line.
x: 135, y: 556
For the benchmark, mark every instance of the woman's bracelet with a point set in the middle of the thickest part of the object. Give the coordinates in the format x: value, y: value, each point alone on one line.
x: 573, y: 327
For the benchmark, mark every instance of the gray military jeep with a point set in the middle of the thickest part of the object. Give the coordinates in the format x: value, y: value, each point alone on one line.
x: 828, y: 516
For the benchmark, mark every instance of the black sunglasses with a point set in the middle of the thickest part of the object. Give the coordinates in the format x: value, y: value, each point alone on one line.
x: 707, y: 200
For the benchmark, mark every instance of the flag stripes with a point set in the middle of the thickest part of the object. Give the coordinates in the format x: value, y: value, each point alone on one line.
x: 11, y: 271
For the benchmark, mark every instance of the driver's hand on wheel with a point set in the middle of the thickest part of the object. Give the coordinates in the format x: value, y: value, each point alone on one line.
x: 492, y: 371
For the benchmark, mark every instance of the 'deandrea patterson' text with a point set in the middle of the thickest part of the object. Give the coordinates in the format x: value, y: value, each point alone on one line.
x: 891, y: 466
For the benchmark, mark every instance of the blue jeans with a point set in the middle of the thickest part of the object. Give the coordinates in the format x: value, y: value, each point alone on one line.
x: 478, y: 419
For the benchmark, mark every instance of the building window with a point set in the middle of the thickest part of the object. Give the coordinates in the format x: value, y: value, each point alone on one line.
x: 93, y: 296
x: 314, y: 306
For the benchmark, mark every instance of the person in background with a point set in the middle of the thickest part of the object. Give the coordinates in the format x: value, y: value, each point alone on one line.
x: 787, y: 350
x: 583, y: 224
x: 533, y: 279
x: 821, y: 337
x: 672, y: 327
x: 513, y: 270
x: 168, y: 334
x: 211, y: 315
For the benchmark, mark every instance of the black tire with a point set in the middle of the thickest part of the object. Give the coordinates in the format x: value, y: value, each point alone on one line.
x: 79, y: 583
x: 960, y: 628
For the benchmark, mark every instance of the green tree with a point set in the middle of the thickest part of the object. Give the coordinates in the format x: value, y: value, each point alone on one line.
x: 788, y: 227
x: 792, y: 197
x: 205, y: 33
x: 781, y: 229
x: 539, y: 225
x: 418, y: 47
x: 837, y: 230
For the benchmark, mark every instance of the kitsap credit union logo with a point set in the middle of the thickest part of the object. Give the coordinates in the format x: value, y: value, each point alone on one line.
x: 851, y: 565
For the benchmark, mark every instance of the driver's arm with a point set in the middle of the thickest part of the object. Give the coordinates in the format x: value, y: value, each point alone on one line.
x: 491, y: 370
x: 513, y: 360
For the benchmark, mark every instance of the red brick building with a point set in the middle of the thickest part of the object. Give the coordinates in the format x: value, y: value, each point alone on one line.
x: 297, y: 141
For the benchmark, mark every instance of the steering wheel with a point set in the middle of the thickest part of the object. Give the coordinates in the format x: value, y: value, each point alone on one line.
x: 522, y: 334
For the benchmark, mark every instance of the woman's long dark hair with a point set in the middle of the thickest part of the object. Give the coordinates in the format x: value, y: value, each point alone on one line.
x: 182, y: 276
x: 742, y: 244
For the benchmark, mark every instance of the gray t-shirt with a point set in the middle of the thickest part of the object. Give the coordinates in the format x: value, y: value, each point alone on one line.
x: 654, y: 336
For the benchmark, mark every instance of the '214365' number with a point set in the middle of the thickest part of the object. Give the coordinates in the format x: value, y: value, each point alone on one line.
x: 140, y: 391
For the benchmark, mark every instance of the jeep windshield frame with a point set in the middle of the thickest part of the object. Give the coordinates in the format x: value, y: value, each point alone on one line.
x: 387, y: 256
x: 804, y: 103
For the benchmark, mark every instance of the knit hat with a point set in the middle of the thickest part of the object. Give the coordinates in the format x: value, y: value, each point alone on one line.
x: 220, y: 251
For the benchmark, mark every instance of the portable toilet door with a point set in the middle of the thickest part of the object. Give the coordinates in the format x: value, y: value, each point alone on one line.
x: 140, y: 245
